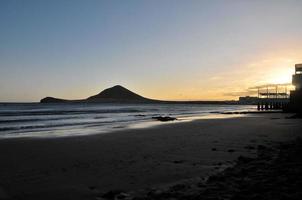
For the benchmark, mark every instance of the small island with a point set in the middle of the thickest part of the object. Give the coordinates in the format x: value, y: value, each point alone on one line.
x: 120, y: 94
x: 116, y: 94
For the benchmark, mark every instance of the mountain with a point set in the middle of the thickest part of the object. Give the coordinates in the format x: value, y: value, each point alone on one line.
x: 52, y: 100
x: 114, y: 94
x: 117, y: 93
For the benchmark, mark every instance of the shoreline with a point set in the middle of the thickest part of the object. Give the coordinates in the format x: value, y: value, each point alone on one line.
x: 67, y: 120
x: 85, y: 166
x: 153, y: 123
x: 139, y: 124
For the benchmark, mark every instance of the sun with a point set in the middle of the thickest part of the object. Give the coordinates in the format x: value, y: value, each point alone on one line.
x: 281, y: 76
x: 281, y: 79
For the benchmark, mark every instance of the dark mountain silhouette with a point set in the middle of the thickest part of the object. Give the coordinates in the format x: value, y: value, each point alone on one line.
x: 52, y: 100
x: 117, y: 93
x: 114, y: 94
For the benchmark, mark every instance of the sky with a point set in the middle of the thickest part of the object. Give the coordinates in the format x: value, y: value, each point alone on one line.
x: 161, y: 49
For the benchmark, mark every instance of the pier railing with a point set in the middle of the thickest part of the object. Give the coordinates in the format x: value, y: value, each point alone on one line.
x: 272, y: 96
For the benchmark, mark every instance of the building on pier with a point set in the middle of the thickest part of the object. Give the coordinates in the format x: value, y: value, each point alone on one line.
x: 269, y: 97
x: 296, y: 95
x: 278, y: 96
x: 273, y: 97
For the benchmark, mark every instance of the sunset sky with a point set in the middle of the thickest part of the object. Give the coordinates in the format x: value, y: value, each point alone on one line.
x: 163, y: 49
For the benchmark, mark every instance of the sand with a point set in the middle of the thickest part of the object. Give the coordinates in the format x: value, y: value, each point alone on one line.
x: 274, y: 174
x: 87, y: 167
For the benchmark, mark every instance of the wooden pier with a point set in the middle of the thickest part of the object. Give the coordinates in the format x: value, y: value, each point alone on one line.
x: 273, y: 97
x: 272, y: 104
x: 286, y: 97
x: 269, y: 97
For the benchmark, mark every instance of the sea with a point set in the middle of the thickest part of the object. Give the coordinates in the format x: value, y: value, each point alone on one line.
x: 78, y: 119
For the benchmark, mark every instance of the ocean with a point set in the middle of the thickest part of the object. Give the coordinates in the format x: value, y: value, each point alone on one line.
x: 61, y: 120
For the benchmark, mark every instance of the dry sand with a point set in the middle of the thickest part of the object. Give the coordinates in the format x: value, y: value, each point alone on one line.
x: 132, y: 160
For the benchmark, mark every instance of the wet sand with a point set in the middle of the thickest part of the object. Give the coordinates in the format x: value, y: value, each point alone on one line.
x: 88, y: 167
x: 275, y: 173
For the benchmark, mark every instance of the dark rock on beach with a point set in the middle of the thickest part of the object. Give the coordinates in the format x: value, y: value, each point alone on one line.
x: 231, y: 150
x: 164, y: 118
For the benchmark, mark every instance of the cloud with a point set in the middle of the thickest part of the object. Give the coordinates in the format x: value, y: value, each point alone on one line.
x: 240, y: 93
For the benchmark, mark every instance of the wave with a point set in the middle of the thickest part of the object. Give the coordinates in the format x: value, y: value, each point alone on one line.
x: 68, y: 112
x: 22, y: 119
x: 85, y: 124
x: 35, y: 120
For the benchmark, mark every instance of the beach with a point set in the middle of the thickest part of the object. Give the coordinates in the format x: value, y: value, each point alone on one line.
x: 133, y: 160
